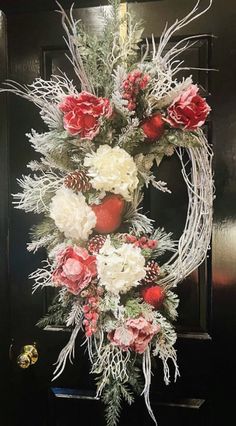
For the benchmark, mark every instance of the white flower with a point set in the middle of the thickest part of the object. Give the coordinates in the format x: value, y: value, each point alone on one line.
x: 120, y: 269
x: 112, y: 170
x: 72, y: 215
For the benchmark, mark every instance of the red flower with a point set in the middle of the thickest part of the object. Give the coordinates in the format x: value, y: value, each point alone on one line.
x: 189, y: 111
x: 135, y: 334
x: 153, y: 295
x: 153, y: 127
x: 83, y: 113
x: 75, y: 269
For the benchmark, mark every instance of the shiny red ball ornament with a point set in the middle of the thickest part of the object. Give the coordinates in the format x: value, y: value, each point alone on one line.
x: 109, y: 213
x: 153, y: 295
x: 153, y: 127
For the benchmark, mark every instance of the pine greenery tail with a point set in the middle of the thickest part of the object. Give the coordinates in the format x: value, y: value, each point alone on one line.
x: 56, y: 316
x: 136, y: 379
x: 103, y: 54
x: 112, y: 398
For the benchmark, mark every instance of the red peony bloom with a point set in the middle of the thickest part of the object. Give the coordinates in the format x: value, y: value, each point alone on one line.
x: 135, y: 334
x: 75, y: 269
x: 189, y: 111
x: 153, y: 127
x: 82, y: 114
x: 153, y: 295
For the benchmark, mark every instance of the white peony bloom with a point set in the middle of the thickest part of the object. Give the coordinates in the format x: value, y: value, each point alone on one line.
x: 120, y: 269
x: 112, y: 170
x: 72, y: 215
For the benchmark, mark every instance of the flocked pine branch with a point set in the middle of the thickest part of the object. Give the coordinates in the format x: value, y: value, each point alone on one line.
x: 45, y: 94
x: 37, y: 192
x: 138, y: 222
x: 112, y: 398
x: 59, y: 151
x: 45, y: 234
x: 171, y: 304
x: 164, y: 242
x: 119, y: 76
x: 56, y: 315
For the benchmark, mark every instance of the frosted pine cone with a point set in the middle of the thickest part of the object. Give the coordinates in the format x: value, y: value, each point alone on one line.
x: 96, y: 243
x: 152, y: 272
x: 78, y: 181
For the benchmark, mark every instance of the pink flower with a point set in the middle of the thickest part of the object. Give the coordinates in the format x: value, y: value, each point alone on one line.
x: 83, y: 113
x: 75, y: 269
x: 189, y: 110
x: 135, y: 334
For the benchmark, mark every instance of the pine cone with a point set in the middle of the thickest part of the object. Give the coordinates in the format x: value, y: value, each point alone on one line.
x: 152, y: 272
x: 96, y: 243
x: 78, y: 181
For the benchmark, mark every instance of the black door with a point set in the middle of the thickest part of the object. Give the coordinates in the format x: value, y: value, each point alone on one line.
x: 203, y: 395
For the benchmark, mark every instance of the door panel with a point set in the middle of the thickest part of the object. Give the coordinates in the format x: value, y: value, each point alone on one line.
x: 206, y: 313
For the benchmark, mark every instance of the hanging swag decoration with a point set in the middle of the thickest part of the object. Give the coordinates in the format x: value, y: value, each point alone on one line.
x: 103, y: 253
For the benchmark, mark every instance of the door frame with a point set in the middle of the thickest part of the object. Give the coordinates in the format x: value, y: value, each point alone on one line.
x: 4, y: 202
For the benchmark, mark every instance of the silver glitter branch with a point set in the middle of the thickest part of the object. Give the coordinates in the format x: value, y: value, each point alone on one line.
x: 168, y: 33
x: 70, y: 26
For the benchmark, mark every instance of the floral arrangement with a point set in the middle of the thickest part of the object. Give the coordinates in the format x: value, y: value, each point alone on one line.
x: 104, y: 256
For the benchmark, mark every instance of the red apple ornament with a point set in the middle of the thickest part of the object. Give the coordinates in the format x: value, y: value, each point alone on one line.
x: 153, y: 295
x: 109, y: 213
x: 153, y: 127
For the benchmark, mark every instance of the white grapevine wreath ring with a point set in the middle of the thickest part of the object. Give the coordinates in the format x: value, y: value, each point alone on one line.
x: 103, y: 253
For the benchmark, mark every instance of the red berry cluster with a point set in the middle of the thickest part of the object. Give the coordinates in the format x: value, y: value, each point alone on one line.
x: 134, y: 82
x: 90, y: 310
x: 143, y: 242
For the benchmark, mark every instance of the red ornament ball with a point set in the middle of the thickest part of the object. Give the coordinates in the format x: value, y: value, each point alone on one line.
x: 109, y: 213
x: 153, y: 127
x: 153, y: 295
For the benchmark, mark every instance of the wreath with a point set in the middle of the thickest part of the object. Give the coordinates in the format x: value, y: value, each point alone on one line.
x: 104, y: 256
